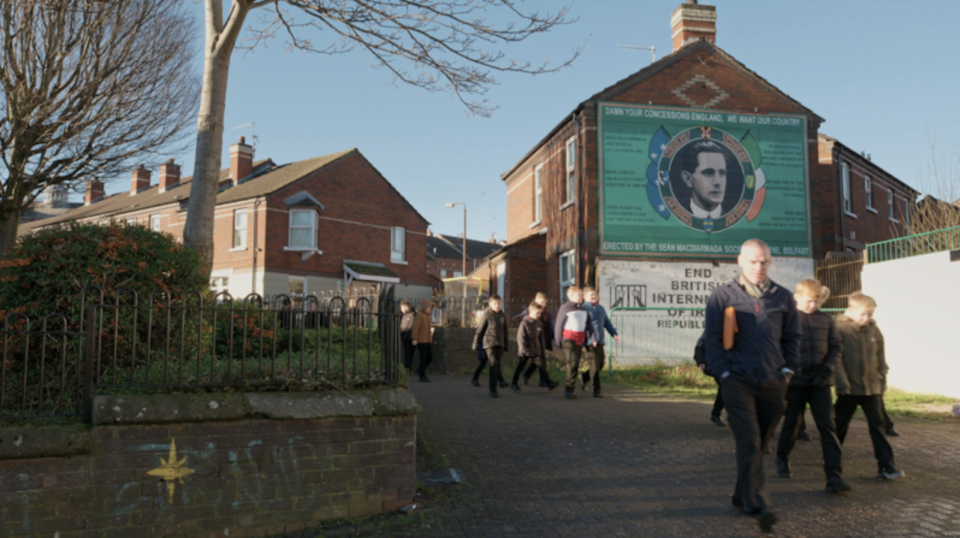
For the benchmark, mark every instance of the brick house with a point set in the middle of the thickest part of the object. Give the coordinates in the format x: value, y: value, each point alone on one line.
x: 555, y: 191
x: 319, y: 225
x: 856, y: 202
x: 445, y: 254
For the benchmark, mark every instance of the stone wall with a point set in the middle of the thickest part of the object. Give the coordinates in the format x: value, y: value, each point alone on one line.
x: 257, y: 464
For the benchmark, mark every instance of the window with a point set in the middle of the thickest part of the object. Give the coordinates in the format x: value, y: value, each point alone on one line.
x: 240, y: 228
x: 155, y: 223
x: 571, y: 169
x: 538, y: 197
x: 567, y: 273
x: 443, y: 273
x: 868, y: 188
x: 845, y: 178
x: 131, y: 222
x: 397, y: 244
x: 303, y: 228
x: 297, y: 285
x: 906, y: 213
x: 457, y: 274
x: 219, y: 284
x: 890, y: 206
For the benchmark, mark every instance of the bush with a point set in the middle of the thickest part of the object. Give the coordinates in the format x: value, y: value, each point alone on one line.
x: 45, y: 274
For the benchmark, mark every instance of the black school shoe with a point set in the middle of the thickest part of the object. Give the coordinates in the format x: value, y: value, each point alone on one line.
x: 474, y: 382
x: 504, y: 384
x: 526, y: 381
x: 838, y: 486
x: 783, y: 467
x: 597, y: 394
x: 514, y: 387
x: 585, y: 378
x: 890, y: 474
x: 804, y: 436
x: 892, y: 432
x: 717, y: 420
x: 767, y: 520
x: 569, y: 393
x: 551, y: 385
x: 424, y: 379
x: 493, y: 394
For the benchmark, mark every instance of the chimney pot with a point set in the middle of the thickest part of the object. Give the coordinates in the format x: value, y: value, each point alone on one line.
x: 140, y: 179
x: 691, y: 21
x: 241, y: 161
x: 169, y: 176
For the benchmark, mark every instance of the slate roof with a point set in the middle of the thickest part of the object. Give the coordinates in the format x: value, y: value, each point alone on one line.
x: 609, y: 92
x: 451, y: 246
x: 370, y: 269
x: 268, y: 178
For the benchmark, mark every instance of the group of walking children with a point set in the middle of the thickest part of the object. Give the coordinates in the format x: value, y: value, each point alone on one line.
x: 579, y: 327
x: 847, y: 354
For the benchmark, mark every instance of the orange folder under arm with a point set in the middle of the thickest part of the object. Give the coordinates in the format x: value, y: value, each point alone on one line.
x: 729, y: 327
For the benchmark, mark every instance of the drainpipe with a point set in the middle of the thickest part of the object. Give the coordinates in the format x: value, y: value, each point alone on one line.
x: 580, y: 191
x: 840, y: 185
x: 256, y: 236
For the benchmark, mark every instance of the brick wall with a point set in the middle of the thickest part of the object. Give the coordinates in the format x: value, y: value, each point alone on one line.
x: 244, y: 477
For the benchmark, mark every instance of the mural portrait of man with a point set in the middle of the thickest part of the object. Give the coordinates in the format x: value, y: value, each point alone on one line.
x: 706, y: 179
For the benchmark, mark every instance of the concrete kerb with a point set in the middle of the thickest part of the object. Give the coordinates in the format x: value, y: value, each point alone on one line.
x: 116, y: 410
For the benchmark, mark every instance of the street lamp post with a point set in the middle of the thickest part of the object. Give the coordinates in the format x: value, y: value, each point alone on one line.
x: 463, y: 274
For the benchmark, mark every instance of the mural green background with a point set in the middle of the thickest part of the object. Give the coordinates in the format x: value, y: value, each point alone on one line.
x: 631, y: 224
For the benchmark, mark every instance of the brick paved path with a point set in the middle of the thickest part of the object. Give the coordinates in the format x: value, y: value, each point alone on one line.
x: 636, y: 464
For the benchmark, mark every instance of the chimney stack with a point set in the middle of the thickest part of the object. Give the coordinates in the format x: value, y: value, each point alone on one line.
x: 141, y: 179
x: 169, y: 176
x: 241, y: 161
x: 94, y: 191
x: 691, y: 21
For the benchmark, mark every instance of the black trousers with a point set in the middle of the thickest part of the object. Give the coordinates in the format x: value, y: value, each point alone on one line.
x: 481, y: 365
x: 533, y: 368
x: 425, y: 352
x: 821, y: 406
x: 494, y: 356
x: 571, y: 354
x: 536, y: 363
x: 718, y: 402
x: 887, y: 423
x: 873, y: 408
x: 753, y: 410
x: 408, y: 350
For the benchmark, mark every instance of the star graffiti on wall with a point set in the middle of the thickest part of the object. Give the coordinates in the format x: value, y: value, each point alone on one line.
x: 172, y: 469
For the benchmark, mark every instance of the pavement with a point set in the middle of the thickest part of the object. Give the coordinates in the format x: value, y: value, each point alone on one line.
x: 641, y: 464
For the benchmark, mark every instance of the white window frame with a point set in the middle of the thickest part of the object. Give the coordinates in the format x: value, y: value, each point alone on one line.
x: 569, y: 259
x: 571, y: 160
x: 312, y: 227
x: 868, y: 189
x: 845, y: 186
x: 155, y: 223
x: 458, y: 274
x: 890, y: 200
x: 219, y: 284
x: 538, y: 194
x: 240, y: 232
x: 906, y: 212
x: 443, y: 273
x: 398, y: 252
x: 132, y: 221
x: 292, y: 278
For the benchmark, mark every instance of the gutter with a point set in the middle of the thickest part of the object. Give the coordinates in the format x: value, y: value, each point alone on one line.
x: 580, y: 192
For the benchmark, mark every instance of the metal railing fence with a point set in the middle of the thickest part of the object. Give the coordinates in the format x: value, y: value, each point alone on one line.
x: 914, y: 245
x: 52, y: 368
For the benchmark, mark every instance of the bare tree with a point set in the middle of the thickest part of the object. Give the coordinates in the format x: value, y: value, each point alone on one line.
x: 89, y: 88
x: 940, y: 208
x: 437, y: 45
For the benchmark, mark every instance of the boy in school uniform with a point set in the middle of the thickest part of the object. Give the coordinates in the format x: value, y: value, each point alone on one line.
x: 491, y: 336
x: 531, y: 346
x: 596, y: 354
x: 547, y: 322
x: 572, y: 331
x: 820, y: 348
x: 861, y: 378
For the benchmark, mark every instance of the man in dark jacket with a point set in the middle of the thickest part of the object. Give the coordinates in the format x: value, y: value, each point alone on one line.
x: 491, y: 335
x: 753, y: 344
x: 819, y: 350
x: 531, y: 346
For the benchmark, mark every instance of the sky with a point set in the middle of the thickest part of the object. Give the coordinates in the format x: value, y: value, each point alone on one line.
x: 882, y: 73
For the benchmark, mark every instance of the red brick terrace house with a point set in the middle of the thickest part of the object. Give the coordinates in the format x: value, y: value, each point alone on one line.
x: 445, y: 254
x: 553, y: 191
x: 318, y: 225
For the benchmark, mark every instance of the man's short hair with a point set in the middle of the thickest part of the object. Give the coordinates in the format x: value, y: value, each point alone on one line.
x: 573, y: 289
x: 812, y: 288
x: 540, y: 295
x: 495, y: 298
x: 588, y: 289
x: 754, y: 243
x: 407, y: 304
x: 534, y: 306
x: 860, y: 300
x: 691, y: 154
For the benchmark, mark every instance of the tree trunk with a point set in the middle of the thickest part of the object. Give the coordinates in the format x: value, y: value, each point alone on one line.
x: 198, y: 230
x: 9, y: 223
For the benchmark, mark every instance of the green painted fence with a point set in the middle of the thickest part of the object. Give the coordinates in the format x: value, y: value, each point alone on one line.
x: 914, y: 245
